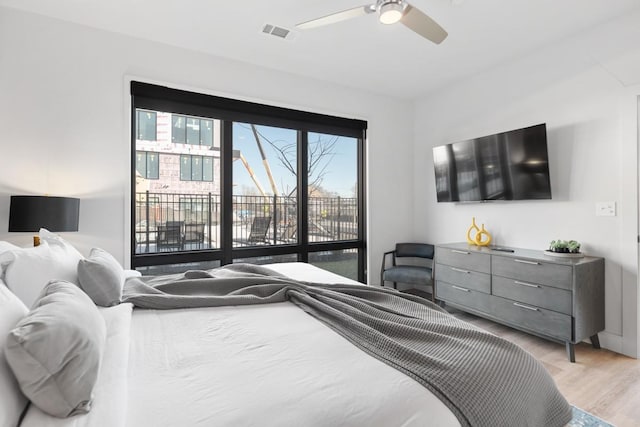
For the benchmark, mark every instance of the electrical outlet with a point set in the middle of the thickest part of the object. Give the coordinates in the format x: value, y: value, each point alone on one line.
x: 606, y: 209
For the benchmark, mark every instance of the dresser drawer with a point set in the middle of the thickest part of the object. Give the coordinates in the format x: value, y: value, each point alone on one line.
x: 533, y: 318
x: 463, y: 296
x: 463, y: 277
x: 467, y: 260
x: 556, y: 275
x: 531, y: 293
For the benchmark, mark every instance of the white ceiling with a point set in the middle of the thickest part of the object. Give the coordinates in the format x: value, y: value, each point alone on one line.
x: 359, y: 53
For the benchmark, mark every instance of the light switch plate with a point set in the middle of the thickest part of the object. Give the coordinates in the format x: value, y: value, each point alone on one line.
x: 606, y: 209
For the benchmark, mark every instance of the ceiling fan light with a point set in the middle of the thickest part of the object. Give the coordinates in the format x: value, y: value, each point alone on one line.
x: 390, y: 12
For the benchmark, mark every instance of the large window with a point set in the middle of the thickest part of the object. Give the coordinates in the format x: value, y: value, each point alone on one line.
x: 246, y: 182
x: 265, y: 193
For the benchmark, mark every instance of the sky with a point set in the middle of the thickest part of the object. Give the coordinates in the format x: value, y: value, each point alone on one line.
x: 341, y: 170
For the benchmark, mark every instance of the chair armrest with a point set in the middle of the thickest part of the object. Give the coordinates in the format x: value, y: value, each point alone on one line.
x: 386, y: 254
x: 384, y: 260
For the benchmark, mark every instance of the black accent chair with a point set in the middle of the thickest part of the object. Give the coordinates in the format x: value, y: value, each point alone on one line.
x: 400, y: 271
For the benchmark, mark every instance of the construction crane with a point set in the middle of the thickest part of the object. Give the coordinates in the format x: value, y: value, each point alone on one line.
x: 237, y: 154
x: 265, y: 162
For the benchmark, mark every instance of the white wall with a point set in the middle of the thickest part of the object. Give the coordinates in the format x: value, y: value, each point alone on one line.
x: 592, y: 155
x: 65, y: 125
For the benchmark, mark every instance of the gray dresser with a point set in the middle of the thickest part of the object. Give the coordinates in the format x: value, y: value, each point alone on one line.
x: 557, y: 298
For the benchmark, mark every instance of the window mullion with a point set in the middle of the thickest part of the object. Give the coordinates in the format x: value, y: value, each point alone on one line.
x: 303, y: 196
x: 226, y: 189
x: 362, y: 220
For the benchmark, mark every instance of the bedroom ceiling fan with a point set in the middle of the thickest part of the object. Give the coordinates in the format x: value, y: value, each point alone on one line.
x: 389, y: 12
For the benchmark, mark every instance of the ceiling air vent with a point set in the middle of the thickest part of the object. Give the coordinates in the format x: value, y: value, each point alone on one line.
x: 274, y: 30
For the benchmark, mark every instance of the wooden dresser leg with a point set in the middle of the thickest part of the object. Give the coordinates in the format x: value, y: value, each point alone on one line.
x: 595, y: 341
x: 571, y: 352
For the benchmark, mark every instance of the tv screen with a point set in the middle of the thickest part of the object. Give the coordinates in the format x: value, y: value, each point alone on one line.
x: 511, y: 165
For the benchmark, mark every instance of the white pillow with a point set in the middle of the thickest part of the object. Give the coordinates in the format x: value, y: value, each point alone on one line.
x: 56, y: 241
x: 101, y: 276
x: 55, y: 350
x: 12, y: 401
x: 28, y: 270
x: 4, y: 247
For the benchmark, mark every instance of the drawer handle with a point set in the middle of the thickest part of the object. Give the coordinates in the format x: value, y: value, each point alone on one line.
x: 522, y: 261
x: 460, y: 289
x: 525, y: 306
x: 530, y: 285
x: 459, y: 270
x: 460, y: 252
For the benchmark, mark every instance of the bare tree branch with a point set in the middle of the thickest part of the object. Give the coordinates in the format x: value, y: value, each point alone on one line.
x: 320, y: 155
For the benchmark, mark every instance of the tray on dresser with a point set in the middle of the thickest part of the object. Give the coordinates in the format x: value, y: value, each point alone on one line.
x: 564, y: 254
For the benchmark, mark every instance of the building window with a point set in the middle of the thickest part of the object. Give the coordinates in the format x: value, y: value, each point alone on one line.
x: 207, y: 169
x: 146, y: 125
x: 196, y: 168
x: 191, y: 130
x: 148, y: 164
x: 179, y: 129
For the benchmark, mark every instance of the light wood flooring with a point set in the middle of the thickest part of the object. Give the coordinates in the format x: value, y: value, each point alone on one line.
x: 601, y: 382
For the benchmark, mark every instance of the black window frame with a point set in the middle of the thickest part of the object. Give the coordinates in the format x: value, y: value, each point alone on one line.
x: 161, y: 98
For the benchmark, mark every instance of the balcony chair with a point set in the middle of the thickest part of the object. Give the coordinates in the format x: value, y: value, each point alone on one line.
x: 411, y: 263
x: 259, y: 229
x: 194, y: 235
x: 170, y: 236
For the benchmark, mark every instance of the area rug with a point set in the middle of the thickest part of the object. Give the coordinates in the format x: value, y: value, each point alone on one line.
x: 585, y: 419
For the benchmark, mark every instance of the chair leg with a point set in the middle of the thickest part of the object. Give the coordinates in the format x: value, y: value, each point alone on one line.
x: 595, y: 342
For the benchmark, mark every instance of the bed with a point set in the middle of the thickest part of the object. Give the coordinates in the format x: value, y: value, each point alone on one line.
x: 263, y: 365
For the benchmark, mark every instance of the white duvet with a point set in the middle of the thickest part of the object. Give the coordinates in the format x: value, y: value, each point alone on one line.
x: 266, y: 365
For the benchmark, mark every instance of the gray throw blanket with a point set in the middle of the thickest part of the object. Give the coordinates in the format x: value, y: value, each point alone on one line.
x: 484, y: 380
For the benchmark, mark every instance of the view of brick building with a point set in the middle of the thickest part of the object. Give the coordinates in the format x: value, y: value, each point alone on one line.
x: 177, y: 154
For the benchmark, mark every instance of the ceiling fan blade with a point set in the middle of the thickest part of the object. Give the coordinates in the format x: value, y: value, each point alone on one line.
x: 337, y: 17
x: 420, y: 23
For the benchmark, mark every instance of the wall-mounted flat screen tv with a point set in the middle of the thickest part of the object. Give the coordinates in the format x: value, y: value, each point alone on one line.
x: 511, y: 165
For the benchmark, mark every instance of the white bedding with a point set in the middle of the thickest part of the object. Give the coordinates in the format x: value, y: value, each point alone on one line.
x: 266, y: 365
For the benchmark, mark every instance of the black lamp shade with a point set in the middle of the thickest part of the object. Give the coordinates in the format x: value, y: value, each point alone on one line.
x: 30, y: 213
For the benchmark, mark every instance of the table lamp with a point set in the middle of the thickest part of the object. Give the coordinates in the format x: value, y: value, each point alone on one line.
x: 31, y: 213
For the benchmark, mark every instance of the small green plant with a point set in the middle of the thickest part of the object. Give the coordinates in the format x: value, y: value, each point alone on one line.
x: 571, y: 246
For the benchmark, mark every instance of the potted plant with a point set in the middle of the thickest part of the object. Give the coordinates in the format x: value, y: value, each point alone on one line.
x: 571, y: 247
x: 559, y: 246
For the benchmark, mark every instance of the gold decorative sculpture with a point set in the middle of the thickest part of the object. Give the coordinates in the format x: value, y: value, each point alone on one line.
x: 474, y: 235
x: 473, y: 227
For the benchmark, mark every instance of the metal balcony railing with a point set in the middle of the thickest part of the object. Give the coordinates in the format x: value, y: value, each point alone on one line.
x: 171, y: 222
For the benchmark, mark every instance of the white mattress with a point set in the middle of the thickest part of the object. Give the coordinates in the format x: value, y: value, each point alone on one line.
x: 267, y: 365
